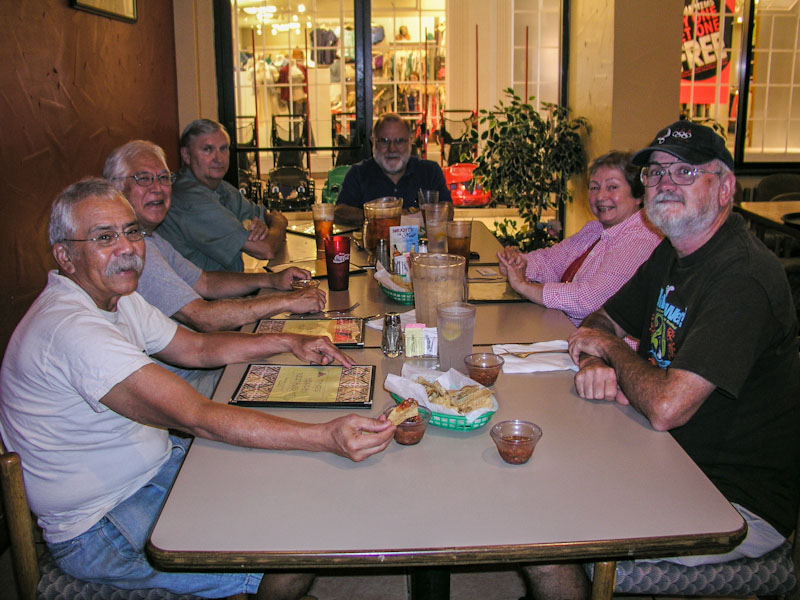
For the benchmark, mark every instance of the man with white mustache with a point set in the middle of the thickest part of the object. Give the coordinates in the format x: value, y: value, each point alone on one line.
x: 391, y: 171
x: 89, y: 411
x: 717, y: 364
x: 202, y: 300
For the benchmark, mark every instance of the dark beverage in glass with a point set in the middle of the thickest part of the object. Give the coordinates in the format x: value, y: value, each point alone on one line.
x: 459, y: 236
x: 337, y: 262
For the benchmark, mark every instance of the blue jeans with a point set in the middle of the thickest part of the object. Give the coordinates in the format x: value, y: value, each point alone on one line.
x: 112, y: 551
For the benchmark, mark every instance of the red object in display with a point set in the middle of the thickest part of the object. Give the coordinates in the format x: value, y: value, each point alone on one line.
x: 465, y: 189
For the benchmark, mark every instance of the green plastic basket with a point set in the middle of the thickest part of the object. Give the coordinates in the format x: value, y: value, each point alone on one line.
x: 454, y: 422
x: 401, y: 297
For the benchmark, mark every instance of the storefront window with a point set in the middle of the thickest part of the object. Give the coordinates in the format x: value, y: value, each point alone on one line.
x: 713, y: 87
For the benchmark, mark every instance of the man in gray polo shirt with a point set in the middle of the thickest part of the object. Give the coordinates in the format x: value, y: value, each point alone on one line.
x: 202, y: 300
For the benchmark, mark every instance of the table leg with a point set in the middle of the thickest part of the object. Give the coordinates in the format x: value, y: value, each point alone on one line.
x: 604, y: 580
x: 428, y: 583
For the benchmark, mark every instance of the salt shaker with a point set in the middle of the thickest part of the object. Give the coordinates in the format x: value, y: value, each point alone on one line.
x: 392, y: 339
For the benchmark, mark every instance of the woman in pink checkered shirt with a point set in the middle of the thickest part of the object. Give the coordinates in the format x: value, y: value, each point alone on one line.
x: 580, y: 273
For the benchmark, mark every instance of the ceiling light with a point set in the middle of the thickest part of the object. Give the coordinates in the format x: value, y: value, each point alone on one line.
x: 301, y: 8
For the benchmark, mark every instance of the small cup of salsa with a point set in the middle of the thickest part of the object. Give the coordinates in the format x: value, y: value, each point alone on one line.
x: 515, y: 440
x: 410, y: 431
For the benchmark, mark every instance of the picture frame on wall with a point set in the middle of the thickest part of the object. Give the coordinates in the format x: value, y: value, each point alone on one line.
x: 124, y: 10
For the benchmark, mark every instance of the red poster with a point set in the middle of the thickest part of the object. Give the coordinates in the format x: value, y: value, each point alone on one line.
x: 706, y: 40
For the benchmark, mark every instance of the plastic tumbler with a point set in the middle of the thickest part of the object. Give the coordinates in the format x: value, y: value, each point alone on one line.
x: 437, y: 236
x: 456, y: 329
x: 323, y: 224
x: 437, y: 278
x: 459, y: 236
x: 337, y: 261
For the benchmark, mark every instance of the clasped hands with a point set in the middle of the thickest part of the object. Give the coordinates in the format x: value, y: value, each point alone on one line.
x: 596, y: 379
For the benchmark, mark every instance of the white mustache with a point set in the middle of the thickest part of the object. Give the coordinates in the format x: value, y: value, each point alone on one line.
x: 667, y: 196
x: 126, y: 262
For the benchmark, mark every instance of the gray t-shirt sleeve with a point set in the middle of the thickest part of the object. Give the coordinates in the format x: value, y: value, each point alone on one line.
x: 161, y: 285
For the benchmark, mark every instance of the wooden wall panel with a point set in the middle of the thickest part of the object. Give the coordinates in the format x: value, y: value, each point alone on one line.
x: 73, y: 86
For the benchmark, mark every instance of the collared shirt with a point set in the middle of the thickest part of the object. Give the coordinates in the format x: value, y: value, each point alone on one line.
x: 366, y: 181
x: 614, y: 259
x: 205, y: 225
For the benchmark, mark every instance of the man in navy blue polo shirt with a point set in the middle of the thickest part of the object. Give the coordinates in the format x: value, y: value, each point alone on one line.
x: 391, y: 172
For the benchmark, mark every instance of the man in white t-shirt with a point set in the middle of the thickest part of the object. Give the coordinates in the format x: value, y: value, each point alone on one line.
x: 88, y: 410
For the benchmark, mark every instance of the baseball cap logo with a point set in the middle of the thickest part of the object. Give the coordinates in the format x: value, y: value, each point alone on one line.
x: 685, y: 134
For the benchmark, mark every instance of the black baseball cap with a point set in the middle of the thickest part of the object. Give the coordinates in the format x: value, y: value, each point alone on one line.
x: 691, y: 142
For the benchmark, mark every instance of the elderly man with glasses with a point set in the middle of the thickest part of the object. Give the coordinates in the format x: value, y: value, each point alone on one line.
x: 391, y: 171
x: 717, y: 364
x: 210, y: 222
x: 89, y: 411
x: 202, y: 300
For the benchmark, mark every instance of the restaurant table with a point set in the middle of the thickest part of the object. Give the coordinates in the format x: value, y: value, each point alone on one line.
x: 768, y: 215
x: 602, y: 485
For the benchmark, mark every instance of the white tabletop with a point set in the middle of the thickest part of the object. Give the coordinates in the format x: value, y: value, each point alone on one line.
x: 601, y: 483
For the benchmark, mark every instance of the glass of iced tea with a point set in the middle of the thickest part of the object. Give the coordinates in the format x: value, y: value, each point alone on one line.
x: 459, y: 235
x: 379, y: 216
x: 323, y: 224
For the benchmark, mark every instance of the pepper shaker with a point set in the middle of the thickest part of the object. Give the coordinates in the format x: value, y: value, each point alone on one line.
x: 392, y: 340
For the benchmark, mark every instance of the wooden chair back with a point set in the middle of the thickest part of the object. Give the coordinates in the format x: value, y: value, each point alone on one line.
x: 20, y: 524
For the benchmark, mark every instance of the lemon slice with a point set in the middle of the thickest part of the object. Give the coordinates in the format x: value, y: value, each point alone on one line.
x: 450, y: 331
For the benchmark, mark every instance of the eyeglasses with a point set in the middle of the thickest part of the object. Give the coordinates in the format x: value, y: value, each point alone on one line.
x: 110, y: 238
x: 386, y: 142
x: 681, y: 174
x: 146, y: 179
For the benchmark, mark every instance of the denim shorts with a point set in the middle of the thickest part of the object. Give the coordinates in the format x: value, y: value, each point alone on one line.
x: 112, y: 551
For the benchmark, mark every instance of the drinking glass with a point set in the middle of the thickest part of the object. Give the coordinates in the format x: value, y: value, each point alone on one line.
x: 337, y: 262
x: 437, y: 236
x: 438, y: 278
x: 456, y: 329
x: 323, y: 224
x: 459, y: 235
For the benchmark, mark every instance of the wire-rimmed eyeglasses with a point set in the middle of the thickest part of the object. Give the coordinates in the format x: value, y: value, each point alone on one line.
x: 110, y: 238
x: 386, y: 142
x: 146, y: 179
x: 679, y: 174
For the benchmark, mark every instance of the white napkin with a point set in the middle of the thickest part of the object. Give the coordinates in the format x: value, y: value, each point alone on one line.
x: 405, y: 318
x: 385, y: 278
x: 406, y: 387
x: 535, y: 363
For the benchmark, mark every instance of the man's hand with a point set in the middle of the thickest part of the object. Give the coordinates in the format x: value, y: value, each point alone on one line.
x: 307, y: 300
x: 276, y: 218
x: 591, y: 341
x: 597, y: 381
x: 357, y: 437
x: 257, y: 230
x: 317, y: 350
x: 283, y: 280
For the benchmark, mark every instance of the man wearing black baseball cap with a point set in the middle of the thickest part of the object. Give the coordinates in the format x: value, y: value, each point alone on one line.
x: 717, y: 363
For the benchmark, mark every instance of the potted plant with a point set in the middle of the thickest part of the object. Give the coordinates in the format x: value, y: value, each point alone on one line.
x: 526, y: 159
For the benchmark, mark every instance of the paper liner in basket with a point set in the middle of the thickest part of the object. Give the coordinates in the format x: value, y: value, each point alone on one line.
x: 406, y: 387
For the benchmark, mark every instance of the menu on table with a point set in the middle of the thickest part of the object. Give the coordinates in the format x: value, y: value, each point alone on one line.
x: 330, y: 386
x: 345, y: 332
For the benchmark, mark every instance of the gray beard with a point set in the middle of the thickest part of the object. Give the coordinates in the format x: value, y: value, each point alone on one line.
x: 125, y: 263
x: 678, y: 226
